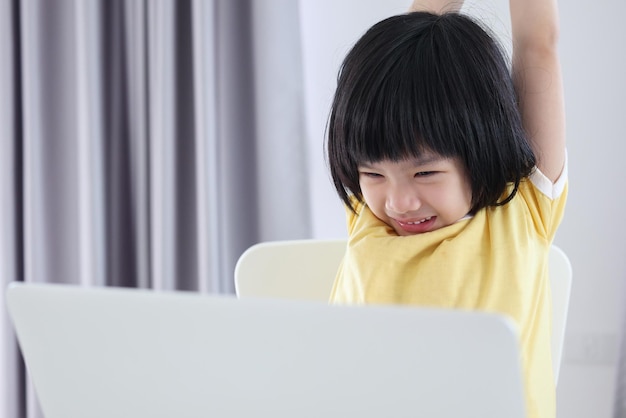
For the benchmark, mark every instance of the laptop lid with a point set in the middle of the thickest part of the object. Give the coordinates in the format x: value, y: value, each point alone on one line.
x: 112, y: 352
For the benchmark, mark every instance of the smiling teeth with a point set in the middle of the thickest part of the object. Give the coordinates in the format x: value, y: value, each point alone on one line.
x: 419, y: 222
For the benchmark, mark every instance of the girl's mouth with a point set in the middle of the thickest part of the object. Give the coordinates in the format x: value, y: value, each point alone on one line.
x: 418, y: 226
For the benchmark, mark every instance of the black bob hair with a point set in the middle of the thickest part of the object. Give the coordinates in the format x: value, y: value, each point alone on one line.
x: 422, y: 82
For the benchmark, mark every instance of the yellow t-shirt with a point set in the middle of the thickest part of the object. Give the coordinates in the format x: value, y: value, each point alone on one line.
x: 495, y: 261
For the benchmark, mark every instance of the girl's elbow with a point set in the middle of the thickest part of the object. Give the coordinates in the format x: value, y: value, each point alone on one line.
x: 540, y: 42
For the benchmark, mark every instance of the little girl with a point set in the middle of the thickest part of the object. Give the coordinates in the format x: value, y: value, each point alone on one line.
x: 453, y: 170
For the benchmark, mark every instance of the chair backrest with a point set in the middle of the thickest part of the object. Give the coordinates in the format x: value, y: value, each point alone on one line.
x: 560, y: 287
x: 299, y: 269
x: 306, y: 269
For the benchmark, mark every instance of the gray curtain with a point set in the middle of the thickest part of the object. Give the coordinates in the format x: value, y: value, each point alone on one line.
x: 144, y: 143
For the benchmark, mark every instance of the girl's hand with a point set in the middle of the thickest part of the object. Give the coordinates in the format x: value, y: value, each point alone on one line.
x: 436, y: 6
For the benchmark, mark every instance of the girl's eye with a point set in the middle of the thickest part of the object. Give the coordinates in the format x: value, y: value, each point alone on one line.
x: 370, y: 174
x: 424, y: 173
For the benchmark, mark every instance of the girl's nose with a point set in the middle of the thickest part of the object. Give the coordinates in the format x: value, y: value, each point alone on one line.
x: 402, y: 200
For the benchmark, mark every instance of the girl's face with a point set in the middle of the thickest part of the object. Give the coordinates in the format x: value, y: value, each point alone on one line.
x: 416, y: 195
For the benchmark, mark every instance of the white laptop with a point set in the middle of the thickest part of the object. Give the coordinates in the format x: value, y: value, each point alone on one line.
x: 120, y: 353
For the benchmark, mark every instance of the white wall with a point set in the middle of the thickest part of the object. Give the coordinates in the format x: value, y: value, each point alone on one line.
x: 594, y: 64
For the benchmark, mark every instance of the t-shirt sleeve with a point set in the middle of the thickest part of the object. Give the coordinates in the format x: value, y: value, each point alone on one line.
x: 545, y: 185
x: 546, y: 201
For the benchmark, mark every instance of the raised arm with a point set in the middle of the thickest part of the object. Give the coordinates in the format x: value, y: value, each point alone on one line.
x: 436, y: 6
x: 537, y: 77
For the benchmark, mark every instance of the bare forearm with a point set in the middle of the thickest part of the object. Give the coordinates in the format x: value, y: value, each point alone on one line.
x: 535, y: 23
x: 436, y: 6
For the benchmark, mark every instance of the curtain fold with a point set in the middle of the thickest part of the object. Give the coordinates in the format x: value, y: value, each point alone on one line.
x: 144, y: 144
x: 206, y: 161
x: 12, y: 381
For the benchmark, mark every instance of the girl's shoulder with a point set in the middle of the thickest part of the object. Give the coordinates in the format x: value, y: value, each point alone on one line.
x: 538, y: 207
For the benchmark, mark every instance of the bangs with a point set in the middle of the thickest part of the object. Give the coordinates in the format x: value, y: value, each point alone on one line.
x: 420, y: 96
x: 395, y: 120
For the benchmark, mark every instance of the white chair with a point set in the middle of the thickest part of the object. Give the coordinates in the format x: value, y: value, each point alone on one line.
x: 306, y: 269
x: 560, y: 288
x: 300, y: 269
